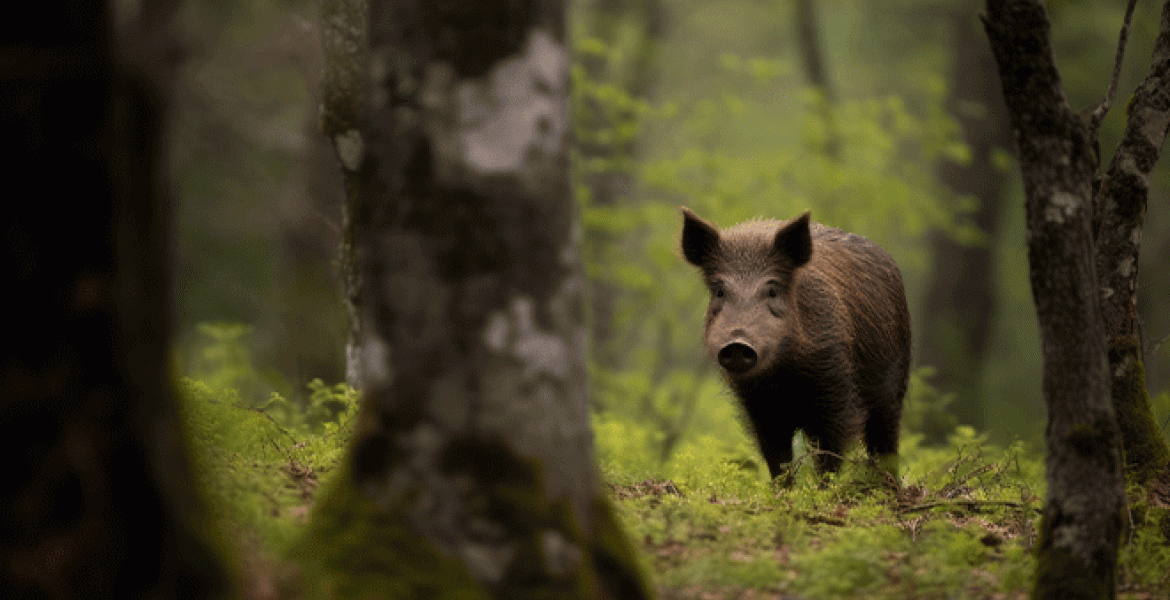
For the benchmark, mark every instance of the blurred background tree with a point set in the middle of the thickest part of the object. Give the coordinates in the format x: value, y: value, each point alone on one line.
x: 704, y: 103
x: 261, y: 196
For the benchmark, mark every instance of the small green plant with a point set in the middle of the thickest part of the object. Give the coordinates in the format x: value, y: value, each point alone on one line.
x: 224, y: 361
x: 326, y: 407
x: 260, y: 467
x: 1160, y: 404
x: 1144, y: 560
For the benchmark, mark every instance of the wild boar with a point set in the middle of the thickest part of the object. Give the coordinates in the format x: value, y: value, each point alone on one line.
x: 809, y: 326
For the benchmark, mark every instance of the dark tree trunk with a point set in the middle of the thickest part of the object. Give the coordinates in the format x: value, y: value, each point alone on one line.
x: 472, y: 463
x: 816, y: 70
x: 1120, y: 208
x: 343, y: 88
x: 98, y: 501
x: 1082, y: 522
x: 961, y: 295
x: 312, y: 321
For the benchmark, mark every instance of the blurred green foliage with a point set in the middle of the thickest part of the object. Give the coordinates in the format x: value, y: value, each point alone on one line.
x: 735, y: 133
x: 661, y: 390
x: 224, y: 360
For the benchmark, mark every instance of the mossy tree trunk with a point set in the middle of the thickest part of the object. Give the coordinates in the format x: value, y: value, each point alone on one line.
x: 472, y: 465
x: 961, y: 294
x: 1083, y: 513
x: 97, y: 501
x: 1119, y: 213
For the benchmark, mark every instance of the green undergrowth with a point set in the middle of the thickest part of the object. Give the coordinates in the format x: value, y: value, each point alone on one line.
x: 260, y: 467
x: 960, y: 524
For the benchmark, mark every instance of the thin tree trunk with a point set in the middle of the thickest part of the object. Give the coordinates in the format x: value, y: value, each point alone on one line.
x: 1120, y: 208
x: 1082, y: 521
x: 311, y: 321
x: 961, y: 295
x: 343, y: 89
x: 816, y: 71
x: 98, y: 501
x: 472, y: 464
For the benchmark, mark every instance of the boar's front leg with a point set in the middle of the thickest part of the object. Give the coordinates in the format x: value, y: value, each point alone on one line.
x: 776, y: 446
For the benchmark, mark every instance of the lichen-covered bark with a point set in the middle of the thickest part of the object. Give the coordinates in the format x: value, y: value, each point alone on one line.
x: 1120, y: 208
x: 473, y: 443
x: 1082, y: 520
x: 98, y: 499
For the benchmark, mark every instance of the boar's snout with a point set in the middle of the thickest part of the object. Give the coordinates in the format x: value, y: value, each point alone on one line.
x: 737, y: 357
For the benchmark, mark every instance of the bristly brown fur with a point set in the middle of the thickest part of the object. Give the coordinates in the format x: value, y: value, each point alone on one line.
x: 833, y: 343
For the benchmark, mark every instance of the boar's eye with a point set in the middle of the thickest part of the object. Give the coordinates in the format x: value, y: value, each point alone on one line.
x: 717, y: 292
x: 773, y: 290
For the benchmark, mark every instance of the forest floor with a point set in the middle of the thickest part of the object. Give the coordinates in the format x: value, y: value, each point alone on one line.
x: 838, y: 540
x: 960, y: 523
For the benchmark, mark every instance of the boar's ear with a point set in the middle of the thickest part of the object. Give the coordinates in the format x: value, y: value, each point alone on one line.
x: 700, y: 239
x: 794, y: 241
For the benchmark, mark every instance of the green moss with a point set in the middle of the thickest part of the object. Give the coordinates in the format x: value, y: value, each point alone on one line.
x: 360, y: 546
x: 1146, y: 449
x: 885, y: 468
x: 1091, y: 437
x: 1061, y: 575
x: 1145, y: 558
x: 354, y: 549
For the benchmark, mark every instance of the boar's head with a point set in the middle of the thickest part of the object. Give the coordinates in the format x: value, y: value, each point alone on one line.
x: 752, y: 319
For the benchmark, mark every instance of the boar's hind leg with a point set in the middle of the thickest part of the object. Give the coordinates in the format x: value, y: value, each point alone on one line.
x: 883, y: 404
x: 881, y: 433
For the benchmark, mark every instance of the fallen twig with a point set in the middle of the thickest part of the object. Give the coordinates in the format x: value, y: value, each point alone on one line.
x: 968, y: 504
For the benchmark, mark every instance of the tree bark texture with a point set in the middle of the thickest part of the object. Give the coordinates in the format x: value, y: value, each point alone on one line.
x: 1082, y: 522
x: 343, y: 95
x: 472, y: 464
x: 1119, y: 214
x: 98, y: 500
x: 961, y: 296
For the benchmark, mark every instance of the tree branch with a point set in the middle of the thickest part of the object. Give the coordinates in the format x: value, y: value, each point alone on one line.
x: 1098, y: 114
x: 970, y: 505
x: 1121, y: 200
x: 1119, y: 214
